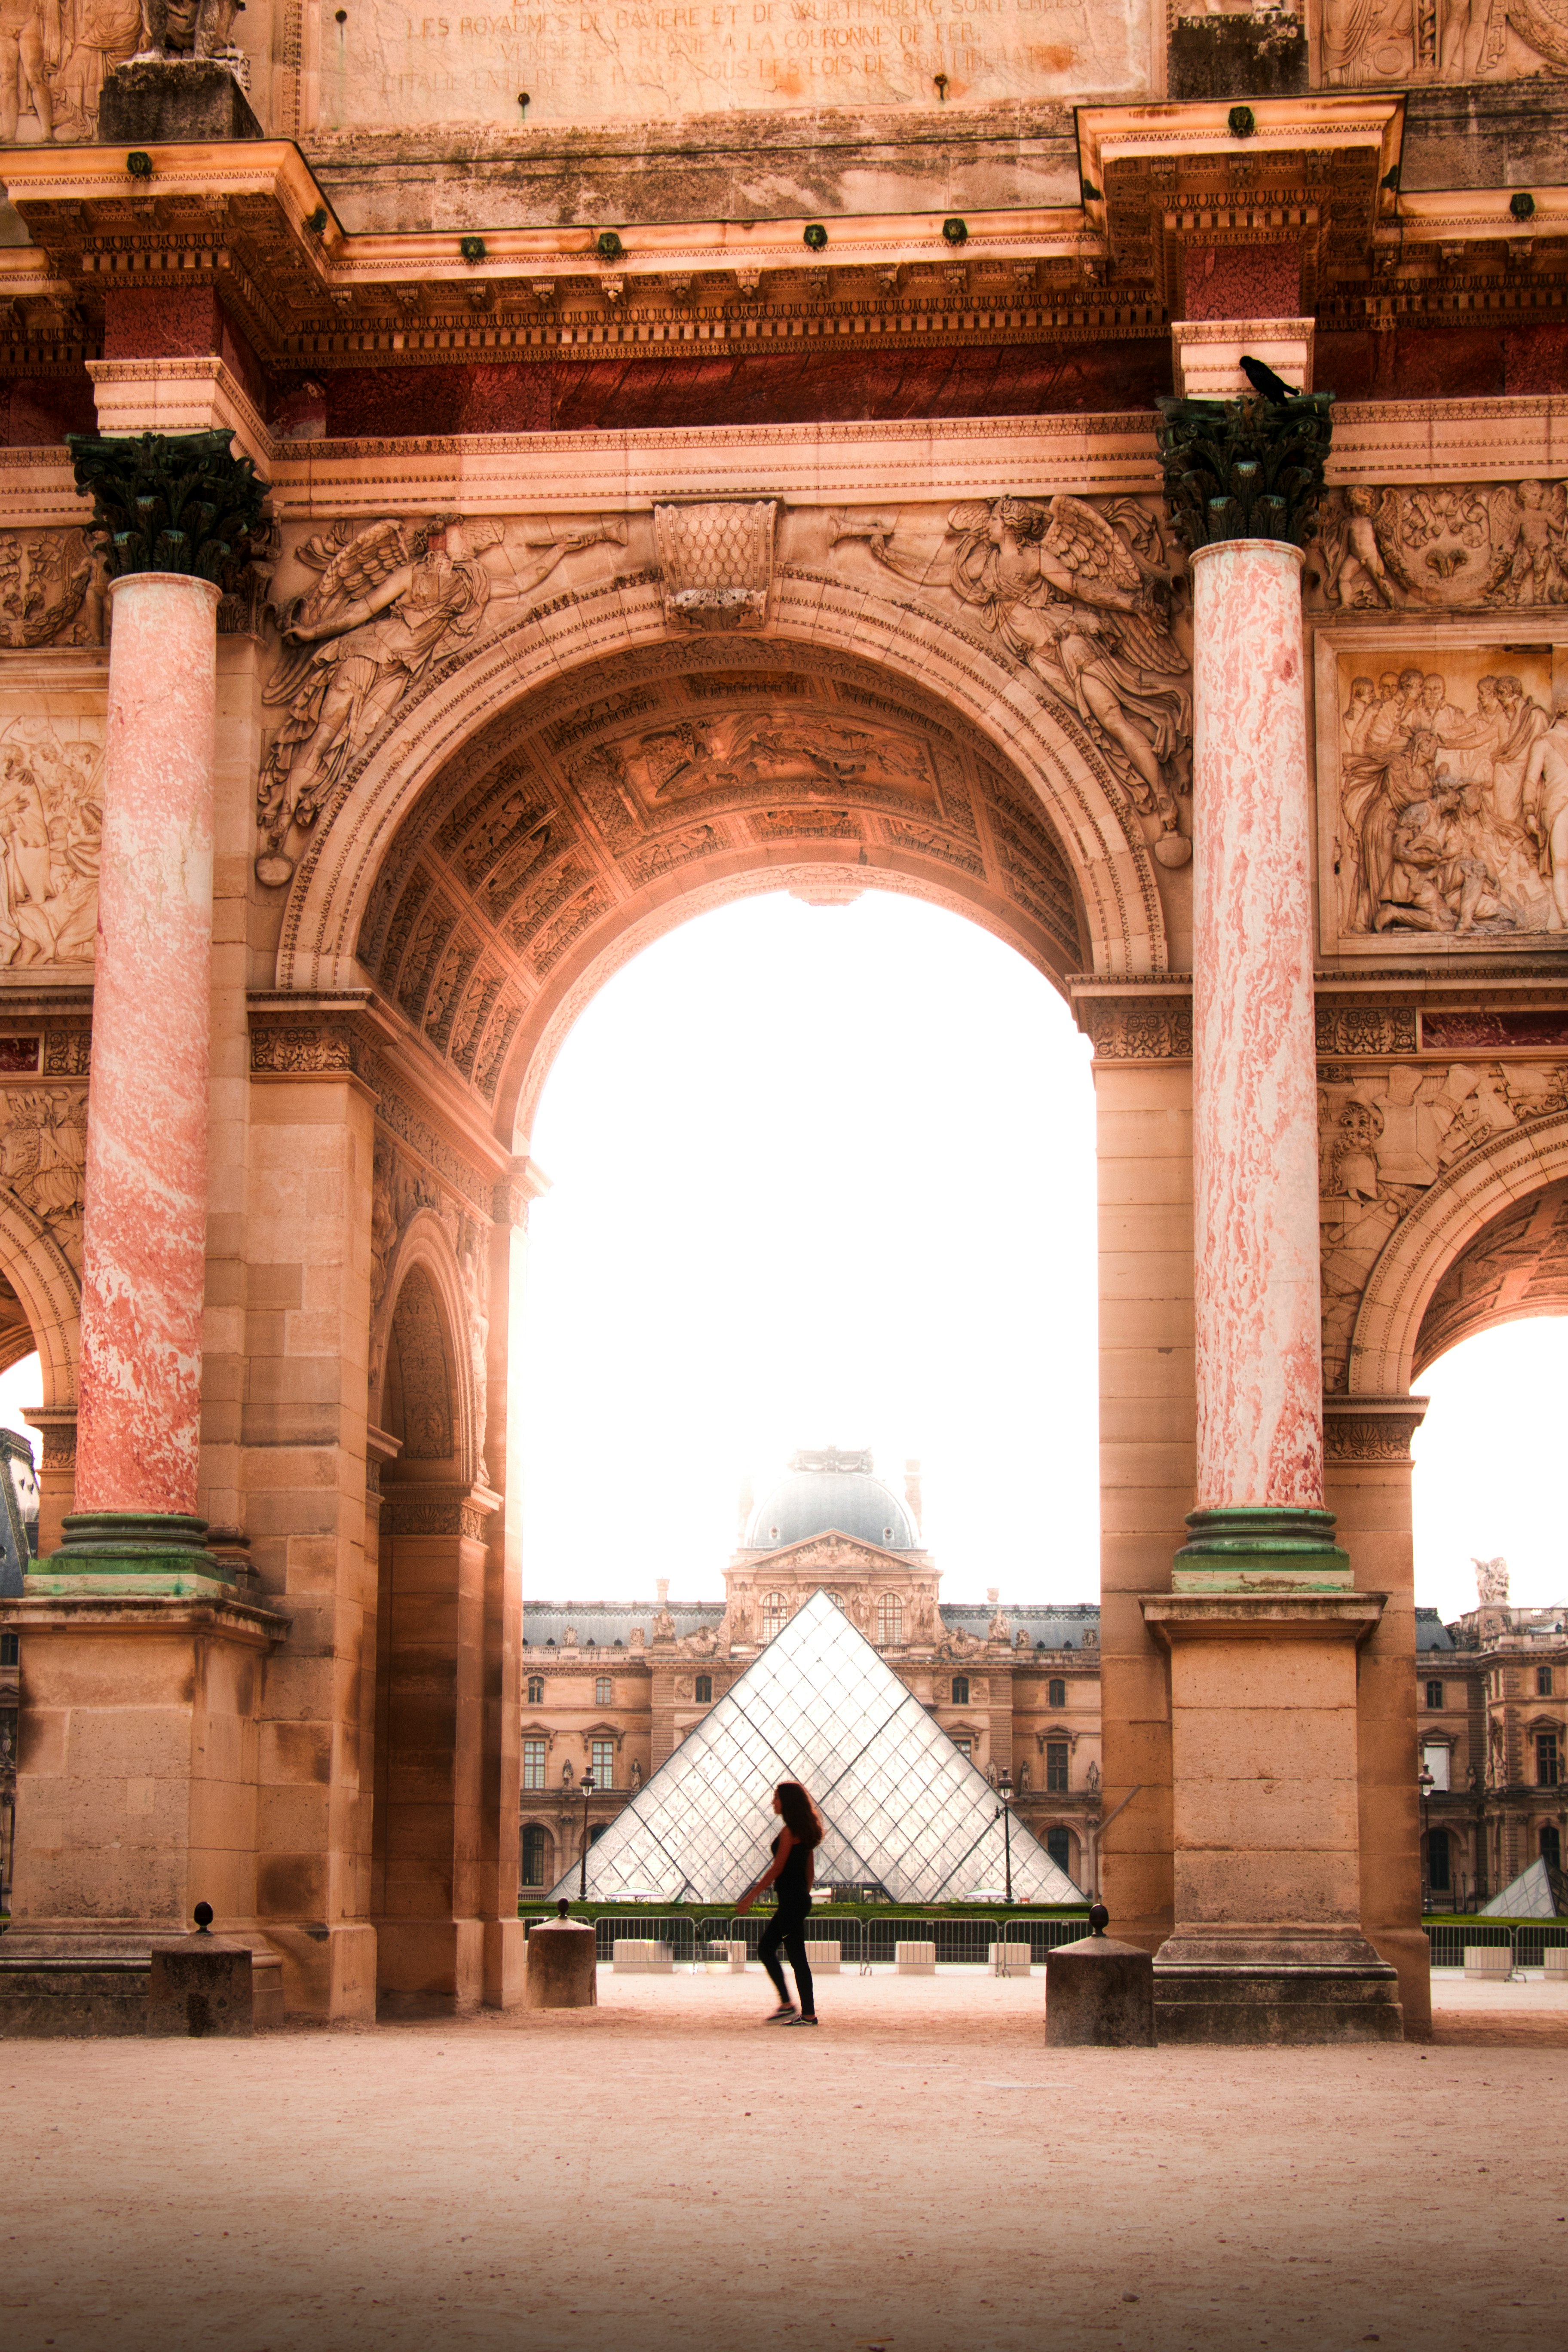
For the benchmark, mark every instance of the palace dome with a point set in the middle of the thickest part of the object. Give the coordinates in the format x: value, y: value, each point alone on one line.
x: 831, y: 1490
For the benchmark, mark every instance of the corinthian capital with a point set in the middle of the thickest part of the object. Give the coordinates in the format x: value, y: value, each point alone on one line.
x: 1247, y: 468
x: 171, y: 502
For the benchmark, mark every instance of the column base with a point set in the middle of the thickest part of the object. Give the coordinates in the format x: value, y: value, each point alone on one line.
x: 1272, y: 1986
x: 1261, y: 1547
x: 142, y: 1551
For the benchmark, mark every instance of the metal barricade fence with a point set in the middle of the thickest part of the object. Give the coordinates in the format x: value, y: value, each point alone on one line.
x: 1449, y: 1938
x: 676, y: 1929
x: 1043, y: 1936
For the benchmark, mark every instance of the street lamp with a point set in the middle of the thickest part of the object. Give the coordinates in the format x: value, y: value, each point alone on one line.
x: 1003, y: 1814
x: 583, y: 1882
x: 1425, y: 1782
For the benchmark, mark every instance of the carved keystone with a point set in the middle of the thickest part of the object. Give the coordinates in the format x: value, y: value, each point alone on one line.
x: 718, y: 563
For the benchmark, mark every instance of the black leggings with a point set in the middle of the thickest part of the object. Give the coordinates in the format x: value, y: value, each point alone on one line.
x: 787, y: 1928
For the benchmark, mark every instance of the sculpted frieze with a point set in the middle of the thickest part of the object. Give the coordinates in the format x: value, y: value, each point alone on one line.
x: 43, y: 1158
x: 51, y: 834
x: 390, y: 601
x: 1443, y: 41
x: 1081, y: 595
x: 1473, y: 546
x: 1384, y: 1138
x: 1443, y: 791
x: 52, y: 589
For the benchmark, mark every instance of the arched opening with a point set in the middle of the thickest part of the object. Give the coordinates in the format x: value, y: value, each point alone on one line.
x: 429, y: 1798
x: 489, y: 894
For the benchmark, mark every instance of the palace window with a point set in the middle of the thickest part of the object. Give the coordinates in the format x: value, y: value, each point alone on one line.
x: 534, y: 1842
x: 604, y: 1766
x: 1548, y: 1761
x: 1435, y: 1695
x: 1055, y: 1764
x: 965, y: 1748
x: 536, y: 1690
x: 10, y: 1649
x: 1058, y: 1694
x: 836, y: 1598
x: 1543, y: 1682
x: 1551, y: 1846
x: 961, y: 1690
x: 704, y: 1690
x: 597, y: 1832
x: 1438, y: 1759
x: 890, y: 1618
x: 775, y: 1614
x: 604, y: 1691
x: 533, y: 1763
x: 1440, y: 1863
x: 1059, y: 1845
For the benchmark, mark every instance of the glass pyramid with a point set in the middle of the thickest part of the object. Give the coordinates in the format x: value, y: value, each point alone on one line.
x: 1533, y: 1894
x: 902, y: 1808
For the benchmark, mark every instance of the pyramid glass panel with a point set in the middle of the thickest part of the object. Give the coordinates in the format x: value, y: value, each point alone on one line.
x: 902, y: 1809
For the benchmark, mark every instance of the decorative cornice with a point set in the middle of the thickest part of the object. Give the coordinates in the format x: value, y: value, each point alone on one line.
x: 309, y: 1037
x: 1365, y: 1029
x: 438, y: 1509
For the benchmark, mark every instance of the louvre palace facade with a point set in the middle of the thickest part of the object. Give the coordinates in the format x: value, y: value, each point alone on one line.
x: 477, y: 490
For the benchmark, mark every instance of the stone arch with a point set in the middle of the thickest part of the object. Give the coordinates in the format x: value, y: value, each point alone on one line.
x: 47, y: 1294
x: 421, y: 1384
x: 547, y: 657
x: 1508, y: 1177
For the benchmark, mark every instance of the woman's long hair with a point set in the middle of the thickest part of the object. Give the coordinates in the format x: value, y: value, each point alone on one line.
x: 801, y: 1817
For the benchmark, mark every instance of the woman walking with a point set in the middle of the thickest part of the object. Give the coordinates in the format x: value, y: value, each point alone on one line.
x: 790, y: 1874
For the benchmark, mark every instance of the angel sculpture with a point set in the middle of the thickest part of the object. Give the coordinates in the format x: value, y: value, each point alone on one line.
x: 385, y: 603
x: 390, y: 599
x: 1071, y: 593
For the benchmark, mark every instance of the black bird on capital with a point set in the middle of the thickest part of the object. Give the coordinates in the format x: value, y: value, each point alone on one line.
x: 1264, y: 380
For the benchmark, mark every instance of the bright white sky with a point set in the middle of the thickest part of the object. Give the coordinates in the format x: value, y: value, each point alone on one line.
x: 825, y: 1176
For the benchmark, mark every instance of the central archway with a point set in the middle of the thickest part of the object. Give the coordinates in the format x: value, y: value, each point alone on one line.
x: 486, y: 895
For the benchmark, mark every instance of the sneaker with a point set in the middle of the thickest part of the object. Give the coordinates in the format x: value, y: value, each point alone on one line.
x: 800, y: 2020
x: 785, y: 2014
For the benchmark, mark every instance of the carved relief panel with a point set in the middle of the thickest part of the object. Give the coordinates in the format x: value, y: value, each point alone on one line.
x: 1405, y: 41
x: 1442, y: 788
x: 51, y: 810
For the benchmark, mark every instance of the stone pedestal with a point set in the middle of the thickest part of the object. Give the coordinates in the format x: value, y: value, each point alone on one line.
x: 561, y: 1971
x: 162, y: 103
x: 200, y: 1986
x: 1100, y: 1994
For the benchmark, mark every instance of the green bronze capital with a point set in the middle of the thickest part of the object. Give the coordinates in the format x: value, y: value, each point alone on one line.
x: 178, y: 502
x: 1247, y: 468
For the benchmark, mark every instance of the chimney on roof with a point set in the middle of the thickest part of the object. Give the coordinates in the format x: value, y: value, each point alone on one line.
x: 912, y: 1493
x: 993, y: 1594
x: 661, y: 1586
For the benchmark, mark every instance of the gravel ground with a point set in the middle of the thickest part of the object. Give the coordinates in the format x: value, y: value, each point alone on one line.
x: 920, y: 2174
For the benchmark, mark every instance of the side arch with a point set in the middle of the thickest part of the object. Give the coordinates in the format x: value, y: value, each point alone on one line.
x: 49, y: 1290
x: 420, y: 1342
x: 448, y: 719
x: 1386, y: 1351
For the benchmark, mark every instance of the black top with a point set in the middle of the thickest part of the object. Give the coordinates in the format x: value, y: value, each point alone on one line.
x: 792, y: 1887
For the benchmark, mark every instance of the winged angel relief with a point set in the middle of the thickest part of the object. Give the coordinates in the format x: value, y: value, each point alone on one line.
x: 391, y: 601
x: 1084, y: 599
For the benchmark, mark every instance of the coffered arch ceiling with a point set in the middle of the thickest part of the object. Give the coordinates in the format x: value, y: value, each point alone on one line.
x: 1516, y: 1267
x: 571, y: 831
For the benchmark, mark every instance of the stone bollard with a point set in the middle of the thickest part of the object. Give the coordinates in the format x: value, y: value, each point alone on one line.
x: 561, y: 1970
x: 200, y: 1985
x: 1100, y: 1994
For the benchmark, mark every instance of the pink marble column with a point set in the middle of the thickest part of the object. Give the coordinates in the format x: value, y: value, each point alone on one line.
x: 1255, y: 1149
x: 143, y: 1245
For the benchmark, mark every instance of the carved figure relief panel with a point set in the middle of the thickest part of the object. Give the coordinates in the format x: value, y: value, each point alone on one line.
x: 1467, y: 546
x: 706, y: 754
x: 1442, y: 789
x: 1386, y: 1134
x: 51, y: 810
x: 1083, y: 595
x: 1405, y: 41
